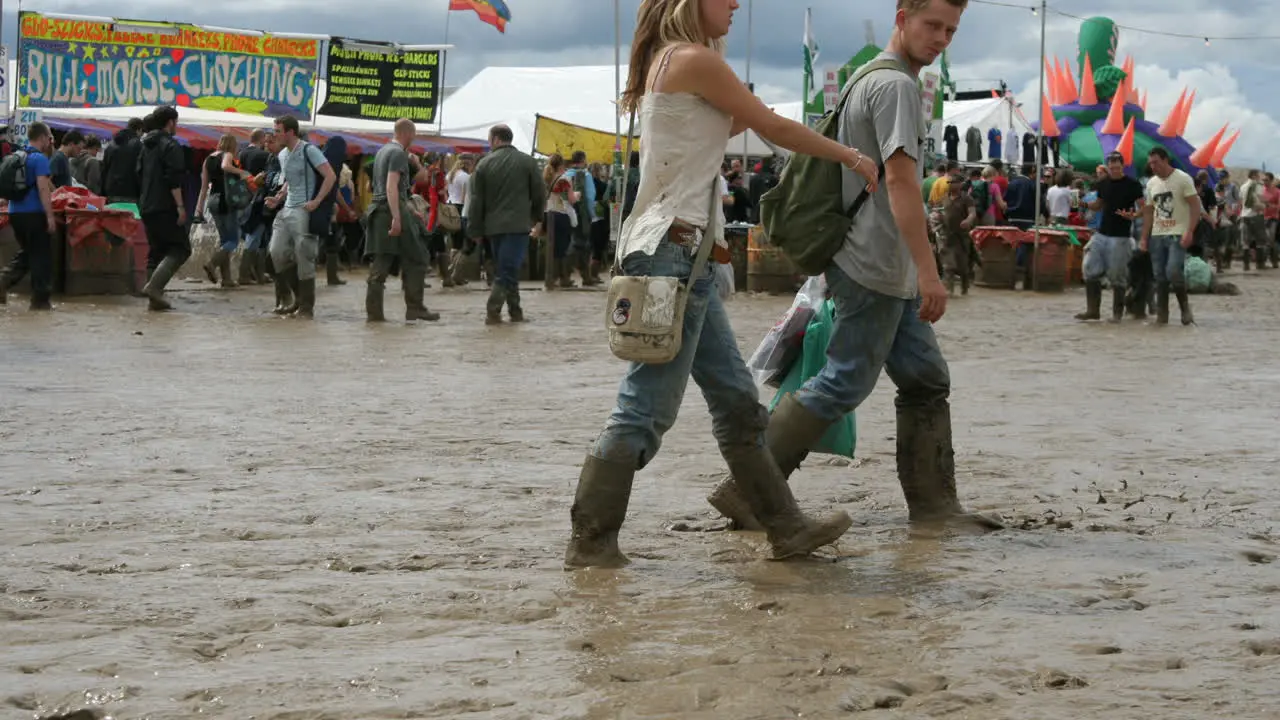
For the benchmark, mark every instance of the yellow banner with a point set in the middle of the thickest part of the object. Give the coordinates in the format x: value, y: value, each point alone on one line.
x: 552, y: 136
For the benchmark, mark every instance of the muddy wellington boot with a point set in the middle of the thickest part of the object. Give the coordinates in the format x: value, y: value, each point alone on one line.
x: 4, y: 288
x: 761, y: 483
x: 584, y: 269
x: 513, y: 306
x: 414, y: 280
x: 599, y: 507
x: 1117, y: 305
x: 306, y: 292
x: 1093, y: 301
x: 493, y: 306
x: 373, y: 302
x: 792, y: 431
x: 211, y: 268
x: 154, y: 289
x: 247, y: 267
x: 442, y: 267
x: 564, y: 273
x: 927, y: 470
x: 1162, y: 303
x: 1184, y: 305
x: 224, y: 267
x: 286, y: 282
x: 331, y: 270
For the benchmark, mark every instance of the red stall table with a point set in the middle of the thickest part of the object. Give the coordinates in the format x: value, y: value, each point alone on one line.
x: 997, y: 246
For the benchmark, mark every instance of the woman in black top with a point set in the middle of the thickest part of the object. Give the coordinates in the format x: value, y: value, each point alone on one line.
x: 213, y: 196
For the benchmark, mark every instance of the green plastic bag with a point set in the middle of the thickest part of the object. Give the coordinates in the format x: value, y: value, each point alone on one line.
x: 841, y: 437
x: 1198, y: 274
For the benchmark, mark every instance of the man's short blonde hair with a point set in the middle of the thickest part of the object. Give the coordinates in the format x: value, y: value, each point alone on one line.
x: 915, y: 6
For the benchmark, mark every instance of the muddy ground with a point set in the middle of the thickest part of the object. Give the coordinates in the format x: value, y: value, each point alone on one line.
x: 218, y: 513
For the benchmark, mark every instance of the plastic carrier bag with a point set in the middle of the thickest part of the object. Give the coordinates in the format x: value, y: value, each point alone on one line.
x: 782, y: 345
x: 842, y: 437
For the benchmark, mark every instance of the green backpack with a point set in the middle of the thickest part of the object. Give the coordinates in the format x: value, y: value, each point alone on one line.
x: 804, y: 215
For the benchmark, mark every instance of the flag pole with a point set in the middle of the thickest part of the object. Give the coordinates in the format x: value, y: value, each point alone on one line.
x: 750, y: 35
x: 444, y: 66
x: 1035, y: 247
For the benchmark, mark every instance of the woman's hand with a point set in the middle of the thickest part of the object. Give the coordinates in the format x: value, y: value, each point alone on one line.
x: 862, y: 165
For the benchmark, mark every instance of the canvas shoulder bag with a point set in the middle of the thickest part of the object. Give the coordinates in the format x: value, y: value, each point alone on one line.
x: 645, y: 313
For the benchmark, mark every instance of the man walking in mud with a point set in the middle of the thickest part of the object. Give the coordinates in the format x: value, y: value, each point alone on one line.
x: 886, y: 288
x: 294, y: 244
x: 507, y: 198
x: 1110, y: 248
x: 162, y: 168
x: 1168, y: 229
x: 393, y: 232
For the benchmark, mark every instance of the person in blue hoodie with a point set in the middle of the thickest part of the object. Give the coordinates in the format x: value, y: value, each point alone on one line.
x: 34, y: 224
x: 584, y: 185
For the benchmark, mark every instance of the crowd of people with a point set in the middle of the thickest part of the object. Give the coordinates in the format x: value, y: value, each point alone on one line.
x: 1211, y: 221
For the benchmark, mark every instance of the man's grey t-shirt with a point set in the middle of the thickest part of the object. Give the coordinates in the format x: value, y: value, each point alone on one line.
x: 883, y: 115
x: 301, y: 175
x: 390, y: 157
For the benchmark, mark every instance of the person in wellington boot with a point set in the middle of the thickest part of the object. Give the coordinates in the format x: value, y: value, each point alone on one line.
x: 163, y: 168
x: 687, y: 98
x: 1168, y: 230
x: 1119, y: 200
x: 308, y: 180
x: 887, y: 293
x: 34, y: 223
x: 507, y: 198
x: 394, y: 233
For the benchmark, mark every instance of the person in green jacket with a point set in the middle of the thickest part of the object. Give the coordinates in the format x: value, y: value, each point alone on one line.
x: 508, y: 198
x: 393, y: 231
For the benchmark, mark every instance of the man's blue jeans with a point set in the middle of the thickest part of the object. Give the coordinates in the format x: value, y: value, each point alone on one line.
x: 873, y: 332
x: 1168, y: 259
x: 509, y: 252
x: 650, y: 395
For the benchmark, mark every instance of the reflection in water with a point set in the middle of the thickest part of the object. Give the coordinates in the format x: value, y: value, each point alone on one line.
x: 216, y: 512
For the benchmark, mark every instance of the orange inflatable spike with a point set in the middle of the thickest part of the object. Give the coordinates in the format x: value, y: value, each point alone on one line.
x: 1073, y: 93
x: 1128, y: 69
x: 1050, y: 127
x: 1133, y: 97
x: 1143, y: 102
x: 1202, y: 157
x: 1049, y: 87
x: 1115, y: 117
x: 1170, y: 126
x: 1220, y: 157
x: 1186, y: 114
x: 1057, y: 96
x: 1088, y: 92
x: 1125, y: 146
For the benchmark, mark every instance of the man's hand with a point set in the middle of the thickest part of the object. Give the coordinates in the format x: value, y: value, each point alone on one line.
x: 1142, y: 244
x: 933, y: 298
x: 272, y: 202
x: 182, y: 215
x: 311, y: 205
x: 1188, y: 238
x: 395, y: 227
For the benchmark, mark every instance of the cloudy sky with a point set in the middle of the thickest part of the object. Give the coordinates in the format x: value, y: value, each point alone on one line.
x: 1237, y: 81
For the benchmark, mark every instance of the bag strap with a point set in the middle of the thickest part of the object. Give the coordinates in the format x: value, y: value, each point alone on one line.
x: 862, y: 72
x: 704, y: 247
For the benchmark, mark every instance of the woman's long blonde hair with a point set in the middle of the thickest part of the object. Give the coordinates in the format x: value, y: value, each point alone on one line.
x: 459, y: 163
x: 228, y: 144
x: 555, y: 166
x: 659, y: 24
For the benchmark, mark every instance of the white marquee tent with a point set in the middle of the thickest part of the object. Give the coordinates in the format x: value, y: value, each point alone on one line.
x: 1001, y: 113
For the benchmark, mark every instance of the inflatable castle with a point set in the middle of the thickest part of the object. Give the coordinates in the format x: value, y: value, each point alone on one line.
x: 1105, y: 113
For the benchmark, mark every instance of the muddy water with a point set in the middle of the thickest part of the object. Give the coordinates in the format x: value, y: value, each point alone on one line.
x: 218, y: 513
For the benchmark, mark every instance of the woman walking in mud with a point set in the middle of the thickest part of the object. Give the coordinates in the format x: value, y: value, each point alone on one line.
x: 690, y: 103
